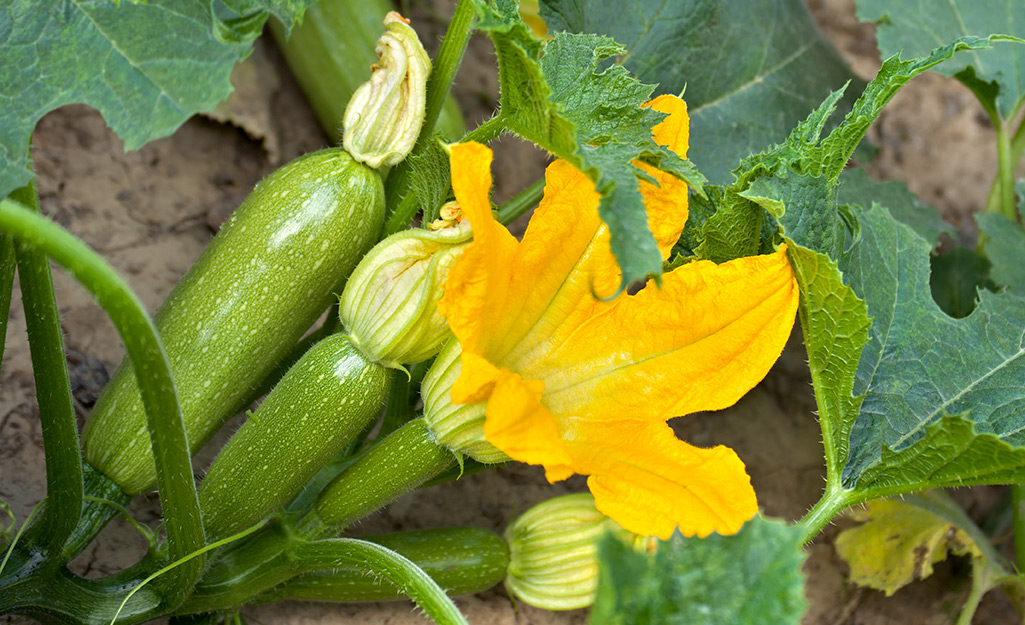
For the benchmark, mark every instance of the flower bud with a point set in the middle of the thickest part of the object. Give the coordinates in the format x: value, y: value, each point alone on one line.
x: 553, y: 552
x: 389, y: 305
x: 384, y: 116
x: 457, y: 427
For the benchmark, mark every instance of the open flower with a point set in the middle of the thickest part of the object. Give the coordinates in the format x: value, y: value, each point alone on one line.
x: 581, y: 385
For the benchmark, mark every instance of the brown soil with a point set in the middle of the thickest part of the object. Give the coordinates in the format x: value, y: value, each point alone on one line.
x: 151, y: 212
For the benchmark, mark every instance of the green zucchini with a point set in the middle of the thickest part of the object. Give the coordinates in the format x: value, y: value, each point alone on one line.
x: 265, y: 278
x: 462, y: 560
x: 323, y: 401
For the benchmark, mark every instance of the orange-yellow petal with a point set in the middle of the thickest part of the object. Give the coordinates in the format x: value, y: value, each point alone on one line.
x: 666, y: 201
x: 477, y: 288
x: 519, y: 425
x: 700, y: 342
x: 650, y: 482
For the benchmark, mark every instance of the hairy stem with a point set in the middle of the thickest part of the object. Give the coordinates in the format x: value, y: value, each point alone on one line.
x: 167, y: 433
x: 64, y: 490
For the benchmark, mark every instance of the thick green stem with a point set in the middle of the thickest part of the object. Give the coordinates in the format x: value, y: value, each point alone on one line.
x: 994, y: 202
x: 378, y: 560
x: 521, y: 202
x: 167, y: 433
x: 832, y: 503
x: 64, y: 494
x: 399, y: 463
x: 446, y: 64
x: 6, y: 286
x: 1006, y: 162
x: 1018, y: 514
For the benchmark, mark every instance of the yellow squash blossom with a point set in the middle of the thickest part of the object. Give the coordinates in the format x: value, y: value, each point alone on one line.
x: 581, y: 385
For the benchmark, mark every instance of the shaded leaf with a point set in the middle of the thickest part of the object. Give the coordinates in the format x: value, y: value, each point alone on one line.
x: 146, y: 67
x: 996, y: 77
x: 920, y: 366
x: 751, y: 70
x: 796, y: 181
x: 857, y: 189
x: 593, y: 119
x: 1003, y: 242
x: 956, y: 278
x: 750, y: 578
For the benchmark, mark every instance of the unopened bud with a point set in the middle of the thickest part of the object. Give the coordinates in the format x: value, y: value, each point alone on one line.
x: 459, y: 427
x: 389, y: 305
x: 384, y: 116
x: 553, y: 552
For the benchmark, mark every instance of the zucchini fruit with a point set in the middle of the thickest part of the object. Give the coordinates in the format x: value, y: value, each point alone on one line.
x: 322, y: 403
x: 274, y: 267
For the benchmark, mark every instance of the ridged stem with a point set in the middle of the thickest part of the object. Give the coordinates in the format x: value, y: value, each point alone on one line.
x: 167, y: 433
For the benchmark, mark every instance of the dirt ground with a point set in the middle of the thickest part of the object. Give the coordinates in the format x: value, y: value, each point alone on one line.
x: 151, y: 212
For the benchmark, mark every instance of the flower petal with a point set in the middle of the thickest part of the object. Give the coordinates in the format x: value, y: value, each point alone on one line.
x: 700, y: 342
x: 650, y: 482
x: 518, y: 424
x: 477, y: 285
x: 666, y: 202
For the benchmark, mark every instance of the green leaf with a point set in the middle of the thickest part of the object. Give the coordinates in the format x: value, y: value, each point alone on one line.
x: 916, y: 27
x: 795, y: 182
x: 857, y: 189
x: 750, y: 578
x: 429, y: 177
x: 593, y: 119
x: 956, y: 279
x: 943, y: 397
x: 146, y: 67
x: 835, y: 324
x: 751, y: 70
x: 1003, y: 242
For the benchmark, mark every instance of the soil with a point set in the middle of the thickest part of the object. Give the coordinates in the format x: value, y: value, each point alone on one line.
x: 151, y: 212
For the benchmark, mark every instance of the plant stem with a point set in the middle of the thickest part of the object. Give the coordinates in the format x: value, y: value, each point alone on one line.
x: 832, y: 503
x: 6, y: 285
x: 979, y: 588
x: 401, y: 204
x: 486, y: 132
x: 64, y: 490
x: 1018, y: 514
x: 378, y: 560
x: 1014, y: 153
x: 521, y: 202
x: 1006, y: 164
x: 167, y: 433
x: 445, y: 66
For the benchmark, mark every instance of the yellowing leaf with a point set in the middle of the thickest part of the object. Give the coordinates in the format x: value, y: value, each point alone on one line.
x: 898, y: 543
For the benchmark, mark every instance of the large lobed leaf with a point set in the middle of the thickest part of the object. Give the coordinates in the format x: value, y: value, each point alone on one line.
x: 750, y: 578
x: 751, y: 70
x: 916, y: 27
x: 556, y: 97
x: 147, y: 67
x: 921, y: 399
x: 944, y: 402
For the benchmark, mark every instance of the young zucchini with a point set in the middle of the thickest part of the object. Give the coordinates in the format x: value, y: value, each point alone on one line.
x: 323, y: 401
x: 265, y: 278
x: 462, y: 560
